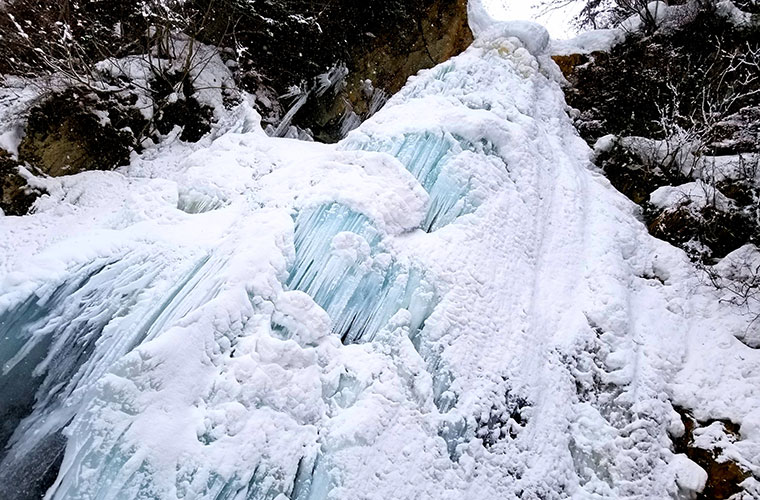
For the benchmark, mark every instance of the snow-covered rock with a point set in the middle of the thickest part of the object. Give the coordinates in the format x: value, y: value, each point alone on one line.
x: 696, y: 195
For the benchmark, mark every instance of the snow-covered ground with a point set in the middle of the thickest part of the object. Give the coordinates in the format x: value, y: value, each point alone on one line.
x: 510, y: 328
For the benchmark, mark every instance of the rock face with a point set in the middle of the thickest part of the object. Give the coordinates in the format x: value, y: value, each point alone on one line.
x: 569, y: 62
x: 77, y: 129
x: 322, y: 66
x: 624, y: 92
x: 684, y: 92
x: 723, y: 475
x: 380, y: 43
x: 64, y: 135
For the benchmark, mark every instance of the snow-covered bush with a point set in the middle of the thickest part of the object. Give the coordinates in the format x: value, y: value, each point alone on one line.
x: 597, y: 14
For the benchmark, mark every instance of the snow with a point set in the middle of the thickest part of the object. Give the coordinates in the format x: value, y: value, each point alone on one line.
x: 15, y: 95
x: 558, y: 21
x: 601, y: 40
x: 663, y: 17
x: 450, y: 303
x: 210, y: 77
x: 656, y: 11
x: 696, y: 195
x: 738, y: 17
x: 690, y: 476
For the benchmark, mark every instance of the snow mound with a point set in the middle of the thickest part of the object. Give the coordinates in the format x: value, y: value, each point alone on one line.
x: 696, y: 195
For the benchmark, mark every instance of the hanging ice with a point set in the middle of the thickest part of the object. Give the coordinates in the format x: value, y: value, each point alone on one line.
x: 58, y: 342
x: 440, y: 162
x: 341, y: 264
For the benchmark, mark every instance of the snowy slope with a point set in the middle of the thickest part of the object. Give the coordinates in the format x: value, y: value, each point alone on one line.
x: 510, y: 329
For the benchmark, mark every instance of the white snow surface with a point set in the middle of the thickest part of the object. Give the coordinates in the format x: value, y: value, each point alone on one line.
x: 601, y: 40
x: 696, y: 195
x: 738, y: 17
x: 531, y: 344
x: 15, y: 95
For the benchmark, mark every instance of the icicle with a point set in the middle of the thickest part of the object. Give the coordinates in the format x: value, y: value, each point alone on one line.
x: 341, y: 264
x: 59, y: 343
x: 432, y: 159
x: 197, y: 203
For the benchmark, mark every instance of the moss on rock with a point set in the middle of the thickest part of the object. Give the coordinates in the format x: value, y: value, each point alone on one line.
x: 64, y: 135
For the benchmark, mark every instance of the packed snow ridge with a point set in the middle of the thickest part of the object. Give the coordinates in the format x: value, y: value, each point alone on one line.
x: 450, y: 303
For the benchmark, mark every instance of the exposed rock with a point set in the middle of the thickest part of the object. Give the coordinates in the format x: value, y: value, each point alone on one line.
x: 16, y: 196
x: 737, y: 133
x: 627, y: 89
x: 380, y: 42
x: 724, y: 476
x: 721, y: 232
x: 633, y: 175
x: 78, y: 129
x: 742, y: 192
x: 688, y: 93
x: 568, y: 63
x: 182, y: 110
x: 273, y: 47
x: 64, y: 135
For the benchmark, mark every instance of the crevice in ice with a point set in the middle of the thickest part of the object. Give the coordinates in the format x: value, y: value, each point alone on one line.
x: 264, y: 485
x: 591, y: 377
x: 504, y: 420
x: 312, y: 481
x: 443, y: 397
x: 431, y: 158
x: 347, y: 391
x: 454, y: 432
x: 342, y: 264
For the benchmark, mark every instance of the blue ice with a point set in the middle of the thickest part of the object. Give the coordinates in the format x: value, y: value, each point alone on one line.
x: 429, y: 157
x: 359, y: 293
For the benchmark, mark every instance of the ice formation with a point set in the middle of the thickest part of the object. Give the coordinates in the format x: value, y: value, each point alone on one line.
x: 340, y: 265
x: 451, y: 303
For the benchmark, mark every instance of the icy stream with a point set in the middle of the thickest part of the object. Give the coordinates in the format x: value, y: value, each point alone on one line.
x: 451, y: 303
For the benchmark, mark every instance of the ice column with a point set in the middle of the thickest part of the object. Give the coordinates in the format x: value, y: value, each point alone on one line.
x: 57, y: 343
x: 341, y: 263
x: 435, y: 159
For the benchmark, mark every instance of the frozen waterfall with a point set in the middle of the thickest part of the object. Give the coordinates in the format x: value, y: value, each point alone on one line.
x: 450, y: 303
